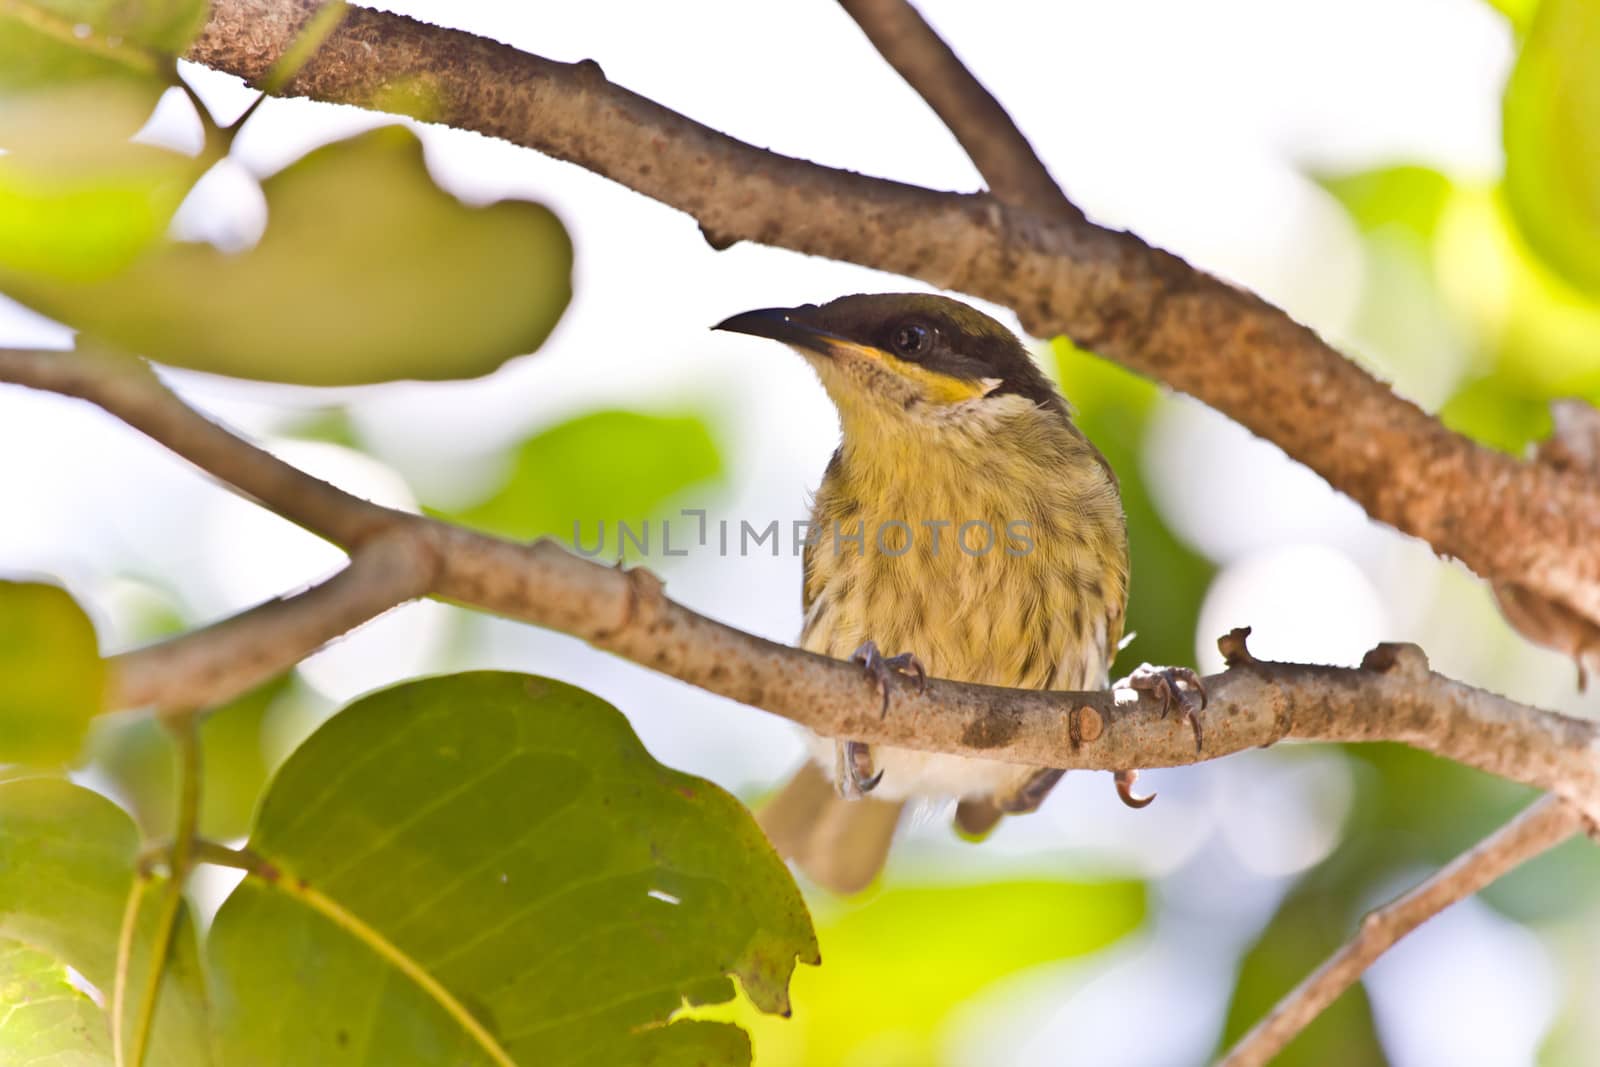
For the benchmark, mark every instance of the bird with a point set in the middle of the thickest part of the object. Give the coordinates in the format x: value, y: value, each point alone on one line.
x: 964, y: 522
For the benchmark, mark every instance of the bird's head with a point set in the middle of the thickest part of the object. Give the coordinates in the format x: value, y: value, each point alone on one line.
x: 906, y: 360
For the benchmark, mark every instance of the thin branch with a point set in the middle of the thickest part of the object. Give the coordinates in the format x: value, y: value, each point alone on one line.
x: 997, y: 148
x: 1392, y: 697
x: 1110, y: 292
x: 1545, y: 824
x: 207, y: 667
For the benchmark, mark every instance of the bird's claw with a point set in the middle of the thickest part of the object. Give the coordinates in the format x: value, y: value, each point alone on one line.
x: 1172, y: 686
x: 879, y: 667
x: 1032, y: 793
x: 859, y: 777
x: 1124, y: 780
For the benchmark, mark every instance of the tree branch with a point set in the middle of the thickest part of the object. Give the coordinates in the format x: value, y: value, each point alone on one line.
x: 1545, y: 824
x: 1392, y: 697
x: 1110, y: 292
x: 997, y: 148
x: 207, y: 667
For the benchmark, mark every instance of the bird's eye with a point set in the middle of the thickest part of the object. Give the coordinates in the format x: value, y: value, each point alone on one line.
x: 910, y: 339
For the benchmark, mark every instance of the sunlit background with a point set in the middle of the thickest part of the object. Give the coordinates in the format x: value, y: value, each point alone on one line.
x: 1339, y: 158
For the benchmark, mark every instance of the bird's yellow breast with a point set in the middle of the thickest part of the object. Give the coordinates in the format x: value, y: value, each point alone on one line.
x: 994, y: 550
x: 996, y: 553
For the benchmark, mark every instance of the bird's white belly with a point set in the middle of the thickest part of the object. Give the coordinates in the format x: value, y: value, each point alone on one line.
x: 909, y: 773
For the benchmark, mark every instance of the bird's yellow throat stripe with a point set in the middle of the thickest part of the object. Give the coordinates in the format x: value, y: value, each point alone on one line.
x: 941, y: 388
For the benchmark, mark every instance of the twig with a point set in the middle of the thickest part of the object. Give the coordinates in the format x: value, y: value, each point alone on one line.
x: 997, y: 148
x: 1112, y: 293
x: 207, y: 667
x: 1393, y: 697
x: 180, y: 859
x: 124, y: 963
x: 1545, y: 824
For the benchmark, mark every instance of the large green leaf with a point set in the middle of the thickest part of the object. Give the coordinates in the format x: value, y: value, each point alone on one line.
x: 497, y: 851
x: 52, y: 680
x: 599, y: 468
x: 66, y: 866
x: 367, y: 272
x: 902, y: 963
x: 1552, y: 139
x: 52, y: 41
x: 44, y: 1018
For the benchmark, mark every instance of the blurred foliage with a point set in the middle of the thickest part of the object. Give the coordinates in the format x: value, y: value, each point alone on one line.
x: 623, y: 891
x: 80, y: 209
x: 1518, y: 12
x: 1460, y: 313
x: 45, y: 42
x: 1413, y: 812
x: 1552, y: 139
x: 66, y: 870
x: 336, y: 292
x: 901, y: 963
x: 1169, y: 579
x: 52, y: 681
x: 598, y: 468
x: 47, y: 1020
x: 1310, y: 924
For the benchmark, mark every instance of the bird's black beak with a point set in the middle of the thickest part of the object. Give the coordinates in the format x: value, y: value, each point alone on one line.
x: 792, y: 326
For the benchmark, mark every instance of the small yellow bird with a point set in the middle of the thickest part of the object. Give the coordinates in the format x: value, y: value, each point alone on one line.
x: 965, y: 523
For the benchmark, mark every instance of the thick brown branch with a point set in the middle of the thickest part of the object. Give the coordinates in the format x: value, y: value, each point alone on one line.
x: 207, y: 667
x: 1546, y: 824
x: 1392, y: 697
x: 1509, y: 521
x: 996, y: 147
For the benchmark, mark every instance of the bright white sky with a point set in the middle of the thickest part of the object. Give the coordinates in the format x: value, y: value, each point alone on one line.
x: 1189, y: 123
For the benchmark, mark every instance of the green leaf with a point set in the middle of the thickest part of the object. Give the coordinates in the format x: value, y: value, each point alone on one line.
x: 367, y: 272
x: 54, y: 679
x: 45, y: 41
x: 78, y: 201
x: 1551, y: 129
x: 66, y: 867
x: 601, y: 467
x: 916, y: 954
x: 44, y: 1018
x: 496, y: 852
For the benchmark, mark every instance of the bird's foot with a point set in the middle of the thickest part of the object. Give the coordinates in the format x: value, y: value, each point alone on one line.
x: 1031, y: 793
x: 879, y: 667
x: 1171, y: 686
x: 1124, y: 780
x: 856, y: 776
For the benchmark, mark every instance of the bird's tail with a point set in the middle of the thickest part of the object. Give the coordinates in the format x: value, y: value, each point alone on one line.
x: 840, y: 844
